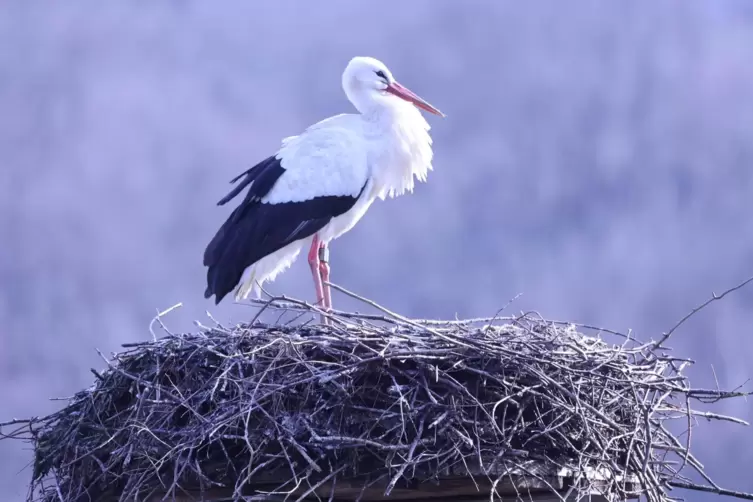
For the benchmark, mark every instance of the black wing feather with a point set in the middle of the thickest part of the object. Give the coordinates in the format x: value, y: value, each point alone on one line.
x: 265, y: 173
x: 255, y: 229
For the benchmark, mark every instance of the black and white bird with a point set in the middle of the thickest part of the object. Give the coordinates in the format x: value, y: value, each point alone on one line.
x: 320, y: 183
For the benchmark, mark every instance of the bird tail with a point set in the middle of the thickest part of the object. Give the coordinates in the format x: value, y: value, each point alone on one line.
x: 266, y: 269
x: 248, y: 287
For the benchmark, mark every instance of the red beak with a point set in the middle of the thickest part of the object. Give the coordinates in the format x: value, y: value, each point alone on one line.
x: 408, y: 95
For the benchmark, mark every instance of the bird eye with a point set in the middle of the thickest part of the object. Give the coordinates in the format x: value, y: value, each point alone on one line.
x: 381, y: 74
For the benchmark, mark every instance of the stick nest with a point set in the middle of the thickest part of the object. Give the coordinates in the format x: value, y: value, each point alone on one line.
x: 391, y: 402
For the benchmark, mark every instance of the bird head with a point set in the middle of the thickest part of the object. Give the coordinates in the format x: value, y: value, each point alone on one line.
x: 367, y: 78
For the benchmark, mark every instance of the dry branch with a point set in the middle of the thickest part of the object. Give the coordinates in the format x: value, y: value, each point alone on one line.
x: 302, y: 408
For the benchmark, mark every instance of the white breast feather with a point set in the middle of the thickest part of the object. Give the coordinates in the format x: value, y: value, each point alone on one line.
x: 408, y: 152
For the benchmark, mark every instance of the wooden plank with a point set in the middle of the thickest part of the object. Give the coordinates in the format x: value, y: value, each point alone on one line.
x: 533, y: 482
x: 449, y: 490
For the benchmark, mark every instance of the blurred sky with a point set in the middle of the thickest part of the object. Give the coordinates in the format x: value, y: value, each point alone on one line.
x: 596, y: 157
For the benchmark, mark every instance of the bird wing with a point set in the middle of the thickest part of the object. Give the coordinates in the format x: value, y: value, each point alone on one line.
x: 291, y: 195
x: 329, y: 158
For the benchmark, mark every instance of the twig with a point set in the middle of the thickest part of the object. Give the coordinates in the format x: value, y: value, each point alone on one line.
x: 711, y: 489
x: 714, y: 297
x: 158, y: 319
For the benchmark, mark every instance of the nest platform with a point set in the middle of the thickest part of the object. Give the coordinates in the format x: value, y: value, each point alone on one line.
x: 376, y: 407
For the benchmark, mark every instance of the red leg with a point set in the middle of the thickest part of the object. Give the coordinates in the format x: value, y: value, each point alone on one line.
x: 314, y: 264
x: 324, y: 273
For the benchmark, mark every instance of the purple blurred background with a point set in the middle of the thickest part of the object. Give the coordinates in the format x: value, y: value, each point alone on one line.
x: 597, y: 157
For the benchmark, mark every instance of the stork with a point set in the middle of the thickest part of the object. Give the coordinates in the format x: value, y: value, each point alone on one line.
x: 319, y: 184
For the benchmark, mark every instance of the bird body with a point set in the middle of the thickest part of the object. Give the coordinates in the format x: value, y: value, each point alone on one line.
x: 320, y: 183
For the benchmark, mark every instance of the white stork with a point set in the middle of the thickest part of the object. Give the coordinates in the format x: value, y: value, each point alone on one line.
x: 320, y: 183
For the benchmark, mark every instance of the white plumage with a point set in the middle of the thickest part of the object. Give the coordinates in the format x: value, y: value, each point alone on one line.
x: 320, y: 183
